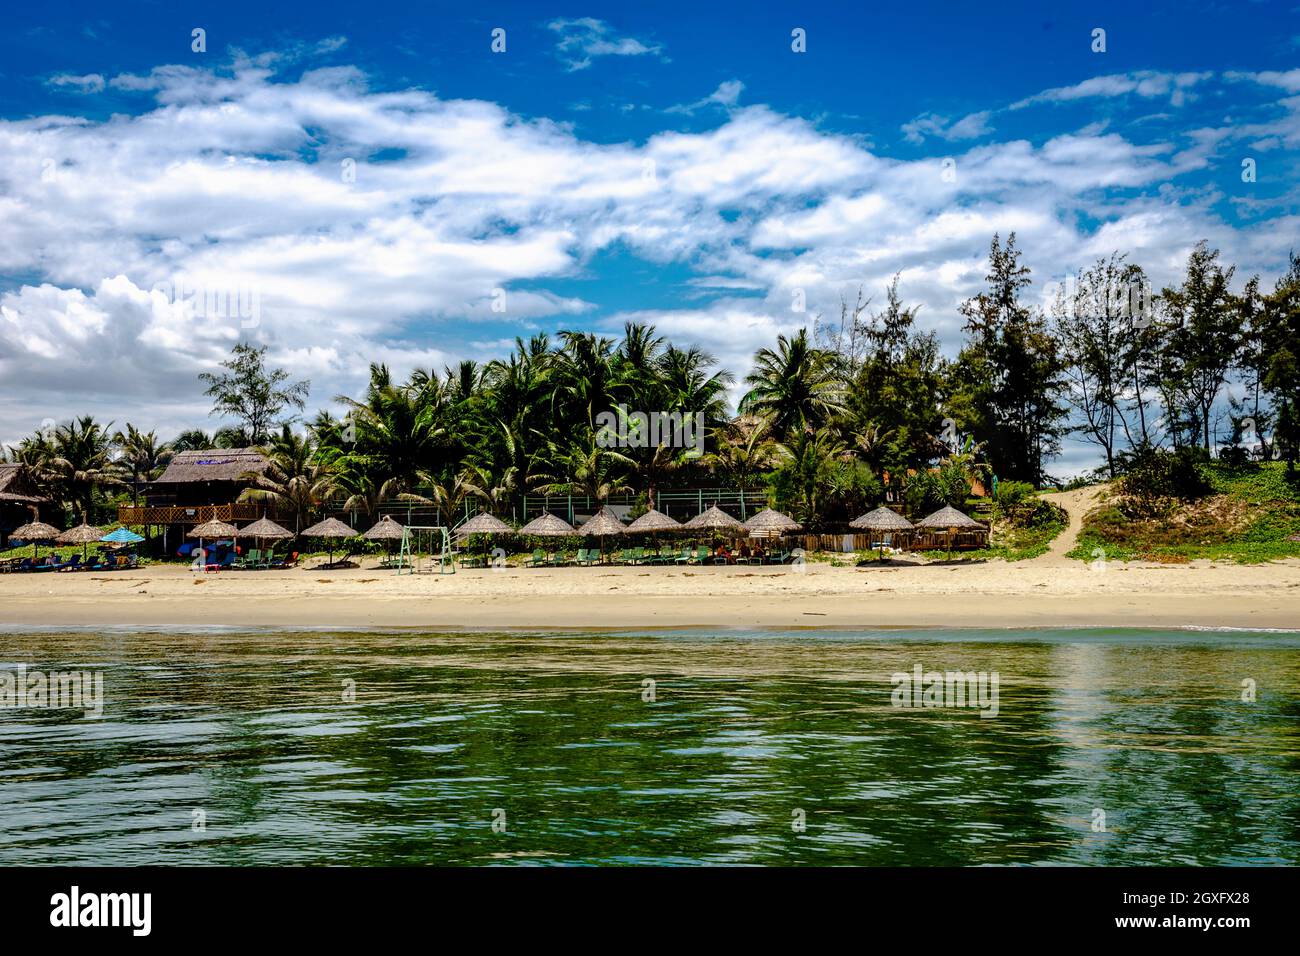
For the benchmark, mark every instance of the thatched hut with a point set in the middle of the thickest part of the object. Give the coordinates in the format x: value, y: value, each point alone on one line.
x: 198, y: 486
x: 19, y: 501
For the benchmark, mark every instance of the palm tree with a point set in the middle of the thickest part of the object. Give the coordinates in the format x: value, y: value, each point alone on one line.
x: 296, y: 481
x: 797, y: 387
x: 82, y: 463
x: 745, y: 451
x: 582, y: 469
x: 142, y: 457
x: 807, y: 463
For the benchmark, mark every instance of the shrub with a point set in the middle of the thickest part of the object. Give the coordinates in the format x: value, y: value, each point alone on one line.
x: 1156, y: 480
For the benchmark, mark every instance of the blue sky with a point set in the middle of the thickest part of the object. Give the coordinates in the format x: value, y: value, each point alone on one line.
x: 671, y: 162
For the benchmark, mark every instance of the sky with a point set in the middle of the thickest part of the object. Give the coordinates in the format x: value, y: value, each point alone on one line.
x: 354, y: 183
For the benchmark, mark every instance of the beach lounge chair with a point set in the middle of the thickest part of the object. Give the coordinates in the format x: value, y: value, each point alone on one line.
x: 289, y: 562
x: 686, y: 557
x: 73, y: 565
x: 249, y: 560
x: 537, y: 560
x: 701, y: 554
x: 588, y: 556
x: 224, y: 564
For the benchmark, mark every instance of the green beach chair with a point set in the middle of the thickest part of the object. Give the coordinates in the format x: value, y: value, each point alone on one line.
x: 537, y: 560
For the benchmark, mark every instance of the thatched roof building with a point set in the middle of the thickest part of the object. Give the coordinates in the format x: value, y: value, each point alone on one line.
x: 222, y: 465
x: 19, y: 500
x: 17, y: 486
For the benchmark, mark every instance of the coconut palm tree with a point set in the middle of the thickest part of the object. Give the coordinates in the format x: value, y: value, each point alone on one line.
x: 142, y: 457
x: 296, y: 481
x: 82, y: 463
x: 794, y: 387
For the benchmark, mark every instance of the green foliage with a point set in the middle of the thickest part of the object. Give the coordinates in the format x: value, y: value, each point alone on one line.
x: 253, y: 394
x: 1244, y: 514
x: 1156, y: 480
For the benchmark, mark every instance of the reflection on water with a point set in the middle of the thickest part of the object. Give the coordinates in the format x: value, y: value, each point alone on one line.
x: 745, y: 732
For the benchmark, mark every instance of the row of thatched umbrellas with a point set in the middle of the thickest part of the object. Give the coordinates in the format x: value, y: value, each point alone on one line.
x: 604, y: 523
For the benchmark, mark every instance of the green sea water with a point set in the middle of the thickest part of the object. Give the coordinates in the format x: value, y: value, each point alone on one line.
x: 404, y: 748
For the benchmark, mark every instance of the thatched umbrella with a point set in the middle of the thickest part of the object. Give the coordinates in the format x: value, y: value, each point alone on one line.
x: 653, y: 522
x: 883, y: 520
x: 547, y: 525
x: 714, y: 518
x: 330, y: 529
x: 264, y: 529
x: 387, y: 528
x: 35, y: 532
x: 483, y: 523
x: 769, y: 523
x: 603, y: 524
x: 83, y: 534
x: 951, y: 519
x: 215, y: 530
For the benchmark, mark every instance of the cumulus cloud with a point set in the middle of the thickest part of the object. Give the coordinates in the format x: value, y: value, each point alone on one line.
x: 399, y: 226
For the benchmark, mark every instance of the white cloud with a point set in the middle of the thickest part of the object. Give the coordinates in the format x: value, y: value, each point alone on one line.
x: 1144, y: 83
x: 585, y: 38
x: 235, y: 179
x: 971, y: 126
x: 727, y: 95
x: 89, y: 83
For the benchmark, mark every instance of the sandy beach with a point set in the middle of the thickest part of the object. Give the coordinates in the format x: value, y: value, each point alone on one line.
x: 1047, y: 591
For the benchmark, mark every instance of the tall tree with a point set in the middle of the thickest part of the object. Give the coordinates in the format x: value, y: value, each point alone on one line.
x: 1010, y: 371
x: 795, y: 387
x: 1205, y: 335
x: 252, y: 393
x: 1093, y: 324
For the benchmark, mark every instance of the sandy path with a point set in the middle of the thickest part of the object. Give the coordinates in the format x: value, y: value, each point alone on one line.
x: 1076, y: 503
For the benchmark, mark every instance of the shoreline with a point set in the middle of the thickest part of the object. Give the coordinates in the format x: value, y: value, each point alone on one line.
x: 987, y: 595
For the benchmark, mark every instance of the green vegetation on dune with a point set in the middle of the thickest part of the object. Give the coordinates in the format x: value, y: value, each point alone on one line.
x: 1243, y: 513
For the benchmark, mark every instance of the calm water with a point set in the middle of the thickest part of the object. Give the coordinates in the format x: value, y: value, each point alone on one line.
x: 745, y: 732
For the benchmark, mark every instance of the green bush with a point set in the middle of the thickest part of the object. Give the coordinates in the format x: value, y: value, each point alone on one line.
x: 1156, y: 480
